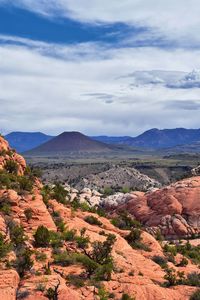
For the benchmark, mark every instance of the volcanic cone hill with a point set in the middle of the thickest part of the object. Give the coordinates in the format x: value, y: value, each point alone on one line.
x: 68, y: 142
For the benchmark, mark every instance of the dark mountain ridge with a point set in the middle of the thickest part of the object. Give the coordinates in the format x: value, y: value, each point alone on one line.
x: 164, y: 138
x: 24, y: 141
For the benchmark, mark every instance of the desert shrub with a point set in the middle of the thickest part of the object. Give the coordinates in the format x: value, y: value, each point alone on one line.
x: 183, y: 262
x: 60, y: 224
x: 125, y: 189
x: 189, y: 251
x: 101, y: 252
x: 89, y: 264
x: 173, y: 278
x: 195, y: 295
x: 5, y: 206
x: 40, y: 287
x: 93, y: 220
x: 127, y: 297
x: 134, y: 239
x: 52, y: 292
x: 82, y: 241
x: 42, y: 237
x: 193, y: 279
x: 45, y: 192
x: 64, y: 259
x: 161, y: 261
x: 59, y: 193
x: 33, y: 172
x: 171, y: 249
x: 39, y: 256
x: 103, y: 272
x: 159, y: 237
x: 99, y: 261
x: 23, y: 294
x: 28, y: 213
x: 107, y: 191
x: 11, y: 167
x: 124, y: 221
x: 69, y: 235
x: 17, y: 235
x: 25, y: 184
x: 76, y: 280
x: 103, y: 294
x: 55, y: 239
x: 170, y: 276
x: 5, y: 247
x: 23, y: 263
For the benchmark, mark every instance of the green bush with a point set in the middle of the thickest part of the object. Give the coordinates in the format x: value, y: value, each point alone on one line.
x: 189, y: 251
x: 28, y: 213
x: 69, y: 235
x: 64, y: 259
x: 23, y: 263
x: 193, y: 279
x: 39, y: 256
x: 59, y: 193
x: 125, y: 222
x: 76, y: 280
x: 11, y: 167
x: 161, y: 261
x: 60, y: 224
x: 127, y: 297
x: 55, y: 239
x: 93, y: 220
x: 42, y: 237
x: 17, y: 235
x: 183, y: 262
x: 134, y: 239
x: 103, y: 294
x: 195, y: 295
x: 5, y: 247
x: 25, y: 184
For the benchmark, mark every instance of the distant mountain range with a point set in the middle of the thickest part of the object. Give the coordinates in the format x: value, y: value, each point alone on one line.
x: 166, y: 138
x: 24, y: 141
x: 175, y: 140
x: 69, y: 142
x: 111, y: 139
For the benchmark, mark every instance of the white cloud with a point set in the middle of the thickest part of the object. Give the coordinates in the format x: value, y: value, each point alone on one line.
x: 177, y: 20
x: 53, y: 88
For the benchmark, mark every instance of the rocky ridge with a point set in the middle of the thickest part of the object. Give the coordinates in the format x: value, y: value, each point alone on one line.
x: 135, y: 274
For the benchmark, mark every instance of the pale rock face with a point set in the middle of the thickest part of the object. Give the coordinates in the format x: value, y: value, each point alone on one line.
x: 9, y: 280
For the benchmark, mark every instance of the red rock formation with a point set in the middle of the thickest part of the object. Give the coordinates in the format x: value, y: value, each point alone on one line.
x: 7, y: 154
x: 135, y: 272
x: 174, y: 209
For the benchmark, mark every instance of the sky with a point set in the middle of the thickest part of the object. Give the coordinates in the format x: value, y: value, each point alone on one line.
x: 99, y: 67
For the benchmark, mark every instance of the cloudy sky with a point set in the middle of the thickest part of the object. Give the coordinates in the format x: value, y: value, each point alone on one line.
x: 99, y: 67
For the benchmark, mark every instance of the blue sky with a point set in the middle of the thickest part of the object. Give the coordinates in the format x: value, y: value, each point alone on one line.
x: 100, y: 67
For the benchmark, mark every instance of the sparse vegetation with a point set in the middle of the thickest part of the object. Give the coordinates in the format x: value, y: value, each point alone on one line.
x: 5, y: 247
x: 160, y: 260
x: 59, y: 193
x: 28, y: 213
x: 135, y: 240
x: 125, y: 222
x: 11, y: 167
x: 195, y: 295
x: 42, y: 237
x: 93, y: 220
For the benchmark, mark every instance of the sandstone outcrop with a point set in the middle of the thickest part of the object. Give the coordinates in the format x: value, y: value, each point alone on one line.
x: 134, y: 273
x: 175, y: 209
